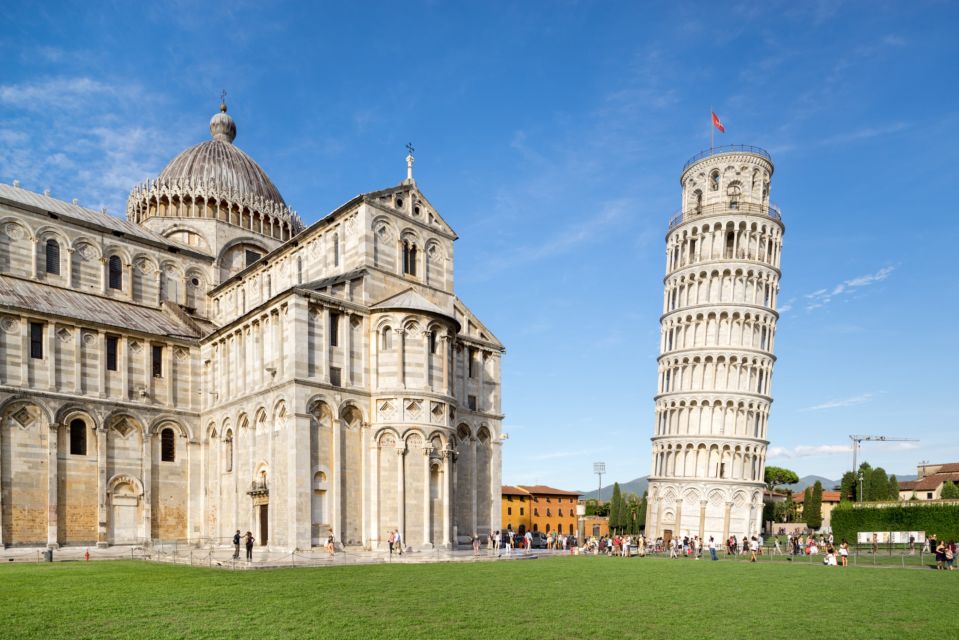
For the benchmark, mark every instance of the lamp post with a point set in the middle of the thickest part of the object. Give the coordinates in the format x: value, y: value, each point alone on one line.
x: 599, y: 468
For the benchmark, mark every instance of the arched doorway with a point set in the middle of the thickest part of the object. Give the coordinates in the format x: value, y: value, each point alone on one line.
x: 125, y: 497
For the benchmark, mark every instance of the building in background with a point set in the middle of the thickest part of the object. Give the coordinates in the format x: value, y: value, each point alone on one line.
x: 209, y: 364
x: 830, y: 500
x: 539, y: 508
x: 932, y: 479
x: 716, y: 349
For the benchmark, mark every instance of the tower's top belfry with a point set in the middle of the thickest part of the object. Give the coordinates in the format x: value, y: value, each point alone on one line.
x: 723, y: 179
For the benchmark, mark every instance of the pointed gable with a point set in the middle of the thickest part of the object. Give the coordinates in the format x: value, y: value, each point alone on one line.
x: 408, y: 201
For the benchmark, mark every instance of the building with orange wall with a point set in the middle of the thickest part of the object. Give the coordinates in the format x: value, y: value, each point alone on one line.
x: 539, y: 508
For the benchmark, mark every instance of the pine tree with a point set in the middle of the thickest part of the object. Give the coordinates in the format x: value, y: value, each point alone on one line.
x: 893, y: 488
x: 615, y: 508
x: 641, y: 514
x: 949, y: 491
x: 879, y: 485
x: 865, y: 482
x: 847, y: 487
x: 813, y: 510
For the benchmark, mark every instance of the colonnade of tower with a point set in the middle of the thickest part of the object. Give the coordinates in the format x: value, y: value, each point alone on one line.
x: 716, y: 349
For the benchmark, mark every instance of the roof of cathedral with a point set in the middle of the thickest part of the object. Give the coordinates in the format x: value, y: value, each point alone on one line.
x: 46, y: 299
x: 82, y: 215
x: 411, y: 300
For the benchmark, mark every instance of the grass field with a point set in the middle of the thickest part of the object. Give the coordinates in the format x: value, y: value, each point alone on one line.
x: 533, y: 599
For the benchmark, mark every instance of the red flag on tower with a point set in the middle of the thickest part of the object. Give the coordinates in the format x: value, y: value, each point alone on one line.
x: 718, y: 123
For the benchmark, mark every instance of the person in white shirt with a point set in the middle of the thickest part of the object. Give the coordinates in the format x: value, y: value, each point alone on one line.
x: 529, y: 542
x: 712, y: 548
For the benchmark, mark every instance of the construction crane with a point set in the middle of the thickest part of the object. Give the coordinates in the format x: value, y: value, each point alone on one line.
x: 856, y: 443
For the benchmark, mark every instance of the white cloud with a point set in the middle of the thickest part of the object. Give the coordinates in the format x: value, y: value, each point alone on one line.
x: 808, y: 451
x: 805, y: 451
x: 844, y: 402
x: 85, y: 137
x: 822, y: 297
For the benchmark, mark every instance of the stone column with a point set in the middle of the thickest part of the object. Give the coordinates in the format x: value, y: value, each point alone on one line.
x: 401, y: 493
x: 726, y: 513
x: 70, y: 253
x: 25, y: 352
x: 78, y: 361
x: 158, y: 283
x: 373, y: 529
x: 348, y: 351
x: 102, y: 487
x: 35, y: 254
x: 427, y: 524
x: 679, y: 518
x: 51, y: 353
x: 147, y: 485
x: 401, y: 365
x: 336, y: 482
x: 657, y: 519
x: 128, y: 276
x: 325, y: 346
x: 52, y: 485
x: 169, y: 375
x: 480, y: 404
x: 702, y: 519
x: 427, y: 373
x: 473, y: 478
x: 446, y: 363
x: 446, y: 494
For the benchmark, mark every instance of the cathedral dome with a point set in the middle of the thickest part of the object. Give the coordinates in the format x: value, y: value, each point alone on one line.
x: 217, y: 174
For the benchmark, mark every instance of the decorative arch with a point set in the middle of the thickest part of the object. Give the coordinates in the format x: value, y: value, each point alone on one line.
x: 122, y: 478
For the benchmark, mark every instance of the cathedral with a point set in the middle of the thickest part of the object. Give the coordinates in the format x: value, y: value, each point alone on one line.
x: 210, y: 364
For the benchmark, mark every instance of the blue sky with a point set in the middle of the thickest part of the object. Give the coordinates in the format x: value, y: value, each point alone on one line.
x: 551, y: 136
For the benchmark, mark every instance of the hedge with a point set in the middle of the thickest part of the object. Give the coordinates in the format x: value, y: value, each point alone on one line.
x: 939, y: 519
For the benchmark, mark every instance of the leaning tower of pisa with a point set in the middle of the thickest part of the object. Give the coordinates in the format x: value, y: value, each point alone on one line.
x: 716, y: 351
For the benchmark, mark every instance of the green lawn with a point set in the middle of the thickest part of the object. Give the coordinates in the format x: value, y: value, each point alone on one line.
x: 530, y: 599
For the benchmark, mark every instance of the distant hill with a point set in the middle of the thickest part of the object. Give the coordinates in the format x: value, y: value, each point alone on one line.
x: 637, y: 486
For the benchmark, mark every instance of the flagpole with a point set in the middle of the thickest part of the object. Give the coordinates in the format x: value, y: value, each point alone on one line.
x: 711, y: 127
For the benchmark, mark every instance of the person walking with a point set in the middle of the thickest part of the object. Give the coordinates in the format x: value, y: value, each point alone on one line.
x: 753, y: 549
x: 951, y: 555
x: 712, y: 549
x: 844, y: 552
x: 236, y: 545
x: 940, y: 556
x: 390, y: 541
x: 399, y: 542
x: 529, y: 541
x: 476, y: 544
x: 331, y: 545
x: 249, y: 546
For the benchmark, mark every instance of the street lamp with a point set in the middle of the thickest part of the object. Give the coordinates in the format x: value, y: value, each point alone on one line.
x: 599, y: 468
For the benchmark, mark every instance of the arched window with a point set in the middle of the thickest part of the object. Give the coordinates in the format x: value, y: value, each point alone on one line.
x: 228, y: 452
x: 78, y: 438
x: 116, y: 273
x: 53, y: 257
x: 167, y: 445
x: 698, y: 201
x: 730, y: 241
x: 734, y: 192
x: 409, y: 258
x: 386, y: 339
x: 433, y: 342
x: 714, y: 180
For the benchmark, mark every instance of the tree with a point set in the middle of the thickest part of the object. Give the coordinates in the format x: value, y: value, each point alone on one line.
x: 594, y: 508
x: 847, y: 487
x: 893, y: 488
x: 615, y: 508
x: 776, y: 476
x: 641, y: 514
x: 812, y: 510
x: 879, y: 486
x: 949, y: 491
x: 865, y: 482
